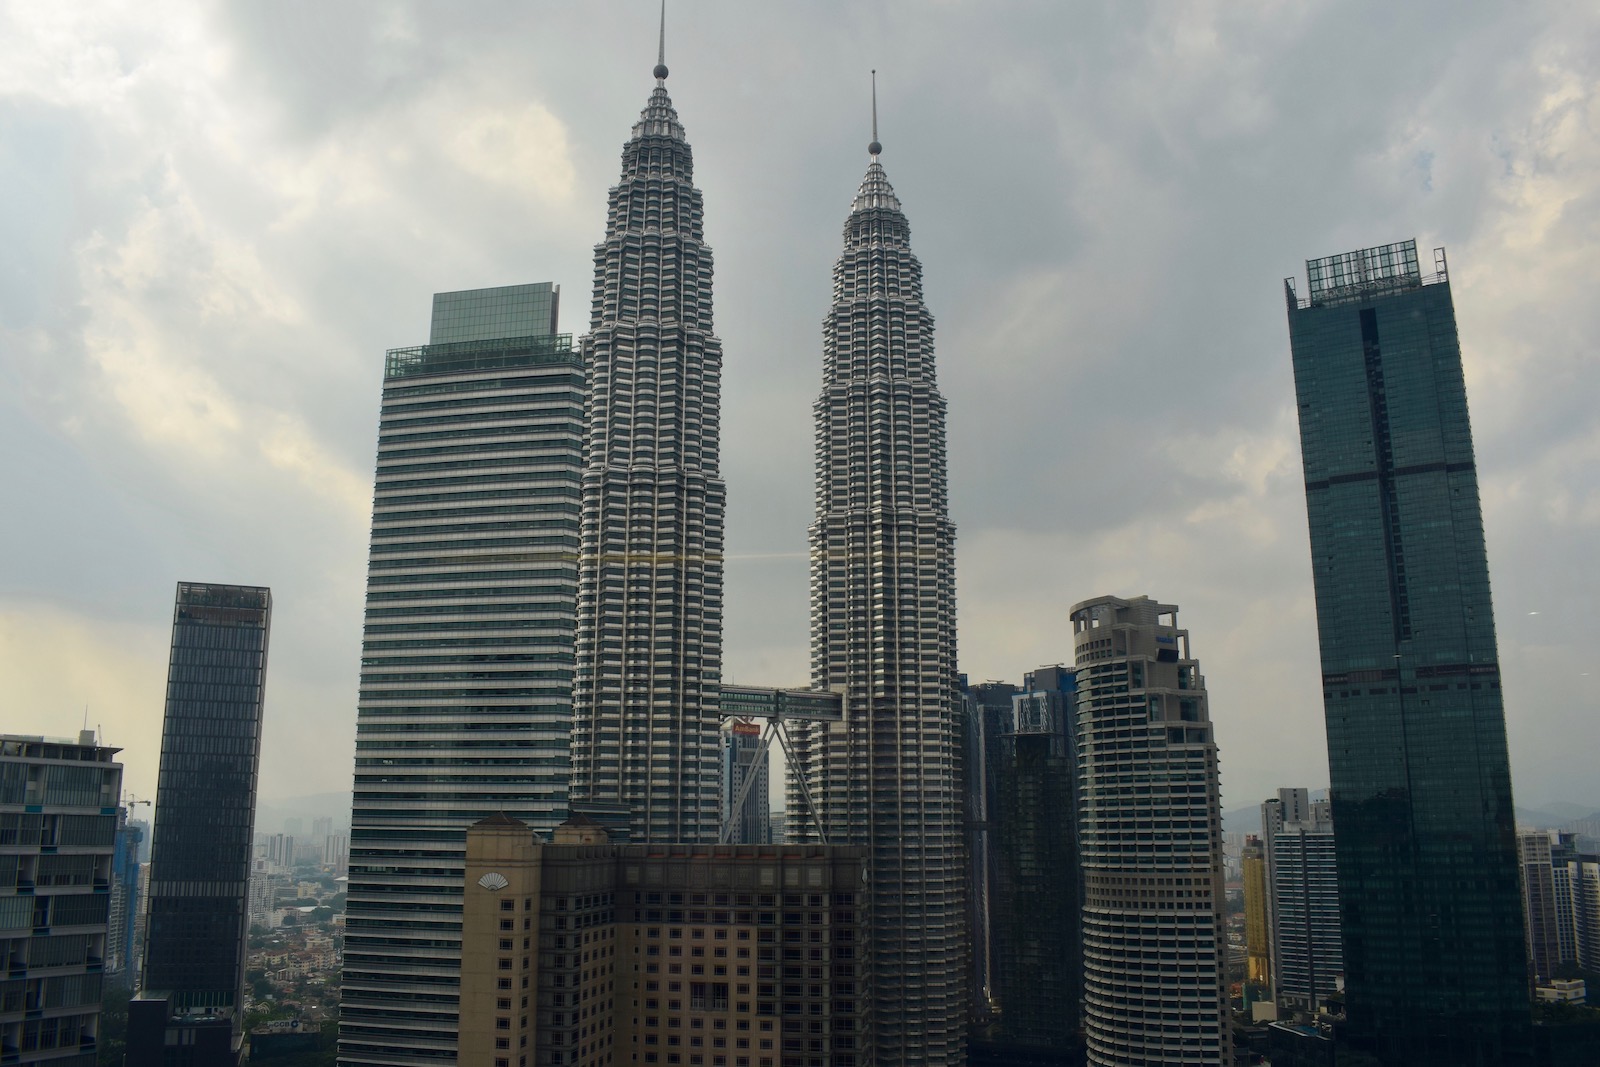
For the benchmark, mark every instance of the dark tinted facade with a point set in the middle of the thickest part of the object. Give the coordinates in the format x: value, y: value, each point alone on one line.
x: 1036, y: 928
x: 1421, y: 783
x: 205, y: 804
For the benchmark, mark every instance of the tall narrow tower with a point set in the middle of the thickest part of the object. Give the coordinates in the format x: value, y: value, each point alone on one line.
x: 1434, y: 957
x: 192, y: 993
x: 883, y: 630
x: 1150, y: 838
x: 645, y: 737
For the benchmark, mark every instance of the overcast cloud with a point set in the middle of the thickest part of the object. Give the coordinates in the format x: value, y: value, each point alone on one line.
x: 216, y: 217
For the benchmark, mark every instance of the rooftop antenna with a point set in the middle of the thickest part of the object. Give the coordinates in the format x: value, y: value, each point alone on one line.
x: 874, y: 148
x: 661, y: 48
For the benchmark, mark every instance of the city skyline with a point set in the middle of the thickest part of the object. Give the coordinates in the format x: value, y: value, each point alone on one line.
x: 1044, y: 321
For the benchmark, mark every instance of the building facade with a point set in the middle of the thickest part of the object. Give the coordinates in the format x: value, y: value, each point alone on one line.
x: 192, y: 990
x: 985, y: 716
x: 581, y: 951
x: 883, y: 631
x: 465, y: 706
x: 644, y: 744
x: 1257, y: 925
x: 1308, y: 950
x: 1539, y: 905
x: 1151, y: 841
x: 122, y: 958
x: 1036, y: 943
x: 1583, y: 875
x: 1420, y: 776
x: 58, y: 832
x: 744, y: 758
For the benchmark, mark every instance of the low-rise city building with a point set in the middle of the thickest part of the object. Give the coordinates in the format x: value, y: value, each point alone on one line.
x: 581, y: 951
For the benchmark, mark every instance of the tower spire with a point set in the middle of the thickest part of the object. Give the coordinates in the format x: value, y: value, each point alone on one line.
x: 661, y: 47
x: 874, y: 148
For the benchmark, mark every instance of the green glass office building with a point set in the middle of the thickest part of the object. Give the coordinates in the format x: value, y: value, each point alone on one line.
x: 1435, y: 962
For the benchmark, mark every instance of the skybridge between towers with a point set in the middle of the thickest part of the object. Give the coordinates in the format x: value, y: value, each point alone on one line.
x: 747, y: 703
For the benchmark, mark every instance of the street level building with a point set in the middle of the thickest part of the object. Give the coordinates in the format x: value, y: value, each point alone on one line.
x: 883, y: 632
x: 1434, y: 949
x: 1150, y: 839
x: 465, y: 707
x: 191, y: 1002
x: 580, y: 951
x: 644, y: 741
x: 58, y: 831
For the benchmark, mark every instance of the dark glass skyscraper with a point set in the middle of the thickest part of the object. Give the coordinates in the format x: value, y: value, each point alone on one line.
x: 204, y: 824
x: 1435, y: 969
x: 1035, y: 922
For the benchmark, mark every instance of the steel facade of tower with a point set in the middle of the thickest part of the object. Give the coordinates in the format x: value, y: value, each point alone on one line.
x: 883, y: 632
x: 645, y: 739
x: 466, y: 680
x: 1150, y: 841
x: 204, y: 819
x: 1420, y: 776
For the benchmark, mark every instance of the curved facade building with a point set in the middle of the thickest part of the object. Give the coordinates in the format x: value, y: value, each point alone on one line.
x: 883, y: 632
x: 1150, y: 832
x: 646, y: 710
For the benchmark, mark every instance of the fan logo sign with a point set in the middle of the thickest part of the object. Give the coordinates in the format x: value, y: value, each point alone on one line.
x: 493, y: 882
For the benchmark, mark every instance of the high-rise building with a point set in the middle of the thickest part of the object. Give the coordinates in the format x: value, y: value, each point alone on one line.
x: 191, y: 1000
x: 1150, y: 839
x: 1036, y: 944
x: 883, y: 630
x: 1257, y: 925
x: 1563, y: 850
x: 1308, y: 953
x: 1420, y: 777
x: 58, y: 830
x: 1583, y: 876
x: 644, y: 743
x: 465, y: 706
x: 586, y: 953
x: 743, y: 758
x: 121, y: 957
x: 984, y: 717
x: 1539, y: 904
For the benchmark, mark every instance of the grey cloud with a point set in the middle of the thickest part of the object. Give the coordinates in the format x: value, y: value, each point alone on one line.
x: 1105, y: 199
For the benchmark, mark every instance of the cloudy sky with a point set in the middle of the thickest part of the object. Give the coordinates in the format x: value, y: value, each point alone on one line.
x: 216, y: 217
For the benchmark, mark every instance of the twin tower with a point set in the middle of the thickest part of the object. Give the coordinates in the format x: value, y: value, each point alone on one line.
x: 545, y: 602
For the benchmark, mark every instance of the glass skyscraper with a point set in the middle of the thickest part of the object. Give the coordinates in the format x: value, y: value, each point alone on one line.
x: 1435, y: 968
x: 466, y: 673
x: 204, y: 826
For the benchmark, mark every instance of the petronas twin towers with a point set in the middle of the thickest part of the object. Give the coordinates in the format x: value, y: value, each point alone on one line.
x: 649, y: 612
x: 545, y: 580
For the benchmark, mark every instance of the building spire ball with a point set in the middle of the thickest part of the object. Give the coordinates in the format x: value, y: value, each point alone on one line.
x: 874, y: 148
x: 661, y: 47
